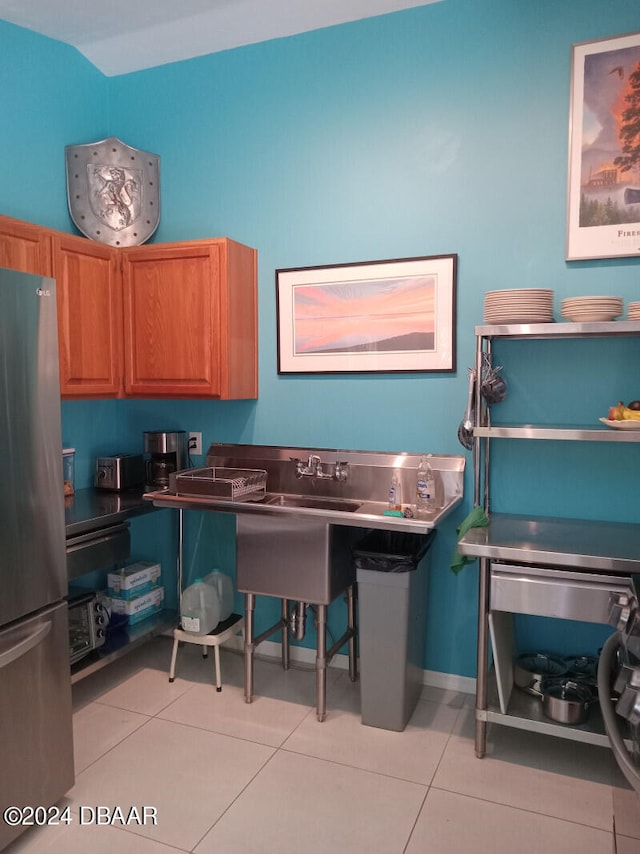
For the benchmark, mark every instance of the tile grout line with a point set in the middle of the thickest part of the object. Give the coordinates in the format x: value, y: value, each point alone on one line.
x: 435, y: 771
x: 519, y: 809
x: 117, y: 744
x: 239, y: 794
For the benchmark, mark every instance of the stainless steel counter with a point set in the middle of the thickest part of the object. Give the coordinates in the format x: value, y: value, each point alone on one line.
x: 612, y: 547
x: 561, y: 568
x: 90, y: 509
x: 369, y: 515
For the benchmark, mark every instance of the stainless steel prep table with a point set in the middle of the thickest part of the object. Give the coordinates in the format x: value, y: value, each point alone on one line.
x: 97, y: 529
x: 564, y: 568
x: 89, y: 509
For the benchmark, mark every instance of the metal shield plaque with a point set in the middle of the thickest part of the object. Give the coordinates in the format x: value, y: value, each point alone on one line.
x: 113, y: 191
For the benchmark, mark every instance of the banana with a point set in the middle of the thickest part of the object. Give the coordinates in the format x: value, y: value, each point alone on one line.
x: 630, y: 414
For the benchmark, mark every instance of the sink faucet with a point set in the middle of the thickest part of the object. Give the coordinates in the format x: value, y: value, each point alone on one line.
x: 314, y: 467
x: 341, y: 471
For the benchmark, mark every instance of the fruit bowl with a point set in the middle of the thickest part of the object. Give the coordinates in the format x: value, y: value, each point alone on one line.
x: 621, y: 425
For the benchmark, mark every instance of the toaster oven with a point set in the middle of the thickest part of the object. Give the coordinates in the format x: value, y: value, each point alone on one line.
x: 88, y: 619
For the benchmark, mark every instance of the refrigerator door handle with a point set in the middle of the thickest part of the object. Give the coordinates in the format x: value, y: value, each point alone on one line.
x: 23, y: 646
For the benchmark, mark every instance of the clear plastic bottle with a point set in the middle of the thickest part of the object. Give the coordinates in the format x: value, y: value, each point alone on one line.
x: 224, y: 588
x: 199, y: 608
x: 395, y: 491
x: 425, y: 488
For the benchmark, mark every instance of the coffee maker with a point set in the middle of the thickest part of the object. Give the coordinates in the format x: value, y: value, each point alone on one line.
x: 165, y: 453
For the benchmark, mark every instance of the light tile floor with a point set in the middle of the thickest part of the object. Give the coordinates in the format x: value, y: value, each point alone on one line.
x: 225, y: 777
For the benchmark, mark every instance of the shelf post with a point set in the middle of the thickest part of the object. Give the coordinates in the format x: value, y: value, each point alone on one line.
x: 483, y: 656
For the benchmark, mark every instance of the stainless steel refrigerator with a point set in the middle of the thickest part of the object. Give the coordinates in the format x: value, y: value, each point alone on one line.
x: 36, y: 741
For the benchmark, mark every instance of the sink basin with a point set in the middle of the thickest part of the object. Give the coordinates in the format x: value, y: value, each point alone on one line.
x: 292, y: 555
x: 312, y: 502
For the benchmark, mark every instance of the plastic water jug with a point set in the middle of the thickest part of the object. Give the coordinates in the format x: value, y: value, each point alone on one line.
x: 199, y: 608
x: 224, y: 588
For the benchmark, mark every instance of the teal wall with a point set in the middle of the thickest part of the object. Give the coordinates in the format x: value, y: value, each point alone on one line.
x: 440, y: 129
x: 50, y: 96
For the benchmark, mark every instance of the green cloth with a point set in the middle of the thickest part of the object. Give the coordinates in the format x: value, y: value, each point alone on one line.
x: 476, y: 519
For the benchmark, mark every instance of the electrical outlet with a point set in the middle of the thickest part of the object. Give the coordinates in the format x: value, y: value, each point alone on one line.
x: 195, y: 443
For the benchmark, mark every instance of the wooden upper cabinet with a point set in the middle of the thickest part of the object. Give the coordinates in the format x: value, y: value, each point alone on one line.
x: 89, y: 316
x: 25, y: 247
x: 190, y: 320
x: 159, y: 320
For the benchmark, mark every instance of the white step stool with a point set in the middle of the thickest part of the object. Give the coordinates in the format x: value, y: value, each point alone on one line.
x: 233, y: 625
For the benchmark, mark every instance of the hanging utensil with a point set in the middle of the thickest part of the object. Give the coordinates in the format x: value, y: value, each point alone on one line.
x: 465, y: 429
x: 493, y: 387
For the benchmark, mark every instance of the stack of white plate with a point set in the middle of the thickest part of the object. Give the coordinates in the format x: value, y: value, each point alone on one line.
x: 634, y: 311
x: 591, y: 309
x: 523, y: 305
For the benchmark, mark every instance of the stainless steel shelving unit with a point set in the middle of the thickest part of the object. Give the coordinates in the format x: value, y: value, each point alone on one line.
x: 612, y: 329
x: 557, y: 432
x: 97, y: 513
x: 571, y: 565
x: 164, y: 621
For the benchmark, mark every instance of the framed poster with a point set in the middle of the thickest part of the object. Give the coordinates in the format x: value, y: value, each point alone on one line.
x: 603, y: 219
x: 376, y: 316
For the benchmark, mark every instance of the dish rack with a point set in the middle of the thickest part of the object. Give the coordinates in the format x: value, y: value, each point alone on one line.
x: 217, y: 482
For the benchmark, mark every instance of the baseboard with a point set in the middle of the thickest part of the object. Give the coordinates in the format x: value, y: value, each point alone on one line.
x: 449, y: 681
x: 305, y: 655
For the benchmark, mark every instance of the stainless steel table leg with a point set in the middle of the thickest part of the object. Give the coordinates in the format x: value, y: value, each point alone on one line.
x: 483, y: 655
x: 249, y: 609
x: 351, y: 624
x: 285, y: 635
x: 321, y: 663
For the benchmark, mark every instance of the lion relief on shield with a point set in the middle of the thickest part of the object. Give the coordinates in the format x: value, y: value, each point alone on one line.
x: 116, y: 195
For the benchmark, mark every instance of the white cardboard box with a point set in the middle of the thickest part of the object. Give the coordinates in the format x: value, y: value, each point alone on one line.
x: 133, y: 580
x: 140, y: 607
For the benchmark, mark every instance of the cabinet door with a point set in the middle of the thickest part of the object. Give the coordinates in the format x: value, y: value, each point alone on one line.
x: 25, y: 247
x: 171, y: 309
x: 89, y: 317
x: 175, y: 308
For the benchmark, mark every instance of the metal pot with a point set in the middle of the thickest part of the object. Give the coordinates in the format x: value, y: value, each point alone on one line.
x: 566, y: 701
x: 531, y: 668
x: 584, y: 669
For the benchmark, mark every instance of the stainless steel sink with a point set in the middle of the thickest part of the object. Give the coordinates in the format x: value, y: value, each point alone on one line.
x: 343, y: 487
x: 312, y: 502
x: 295, y: 543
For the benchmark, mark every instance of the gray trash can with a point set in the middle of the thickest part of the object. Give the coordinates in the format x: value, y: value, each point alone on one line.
x: 392, y: 574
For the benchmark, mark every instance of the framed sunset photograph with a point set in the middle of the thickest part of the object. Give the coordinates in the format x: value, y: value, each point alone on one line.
x: 375, y: 316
